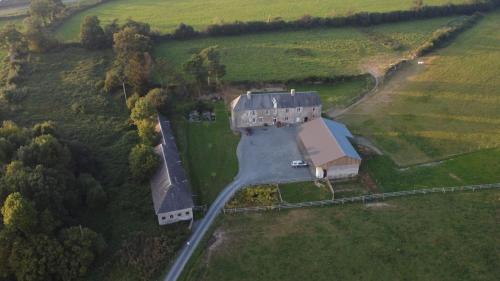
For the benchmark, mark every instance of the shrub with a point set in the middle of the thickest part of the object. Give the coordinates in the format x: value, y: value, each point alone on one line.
x: 158, y: 98
x: 143, y: 162
x: 146, y: 131
x: 13, y: 94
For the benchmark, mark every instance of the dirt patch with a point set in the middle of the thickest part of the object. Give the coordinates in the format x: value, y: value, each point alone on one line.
x: 215, y: 243
x: 378, y: 205
x: 369, y: 183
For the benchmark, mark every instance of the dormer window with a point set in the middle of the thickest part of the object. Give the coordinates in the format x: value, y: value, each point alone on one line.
x: 299, y: 109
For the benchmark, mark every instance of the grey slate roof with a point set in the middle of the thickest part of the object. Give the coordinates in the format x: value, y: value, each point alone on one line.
x: 169, y: 185
x: 283, y: 99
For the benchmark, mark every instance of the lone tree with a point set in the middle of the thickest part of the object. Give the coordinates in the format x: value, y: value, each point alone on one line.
x: 91, y: 33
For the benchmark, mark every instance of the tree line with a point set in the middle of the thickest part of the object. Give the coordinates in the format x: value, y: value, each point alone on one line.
x: 418, y: 11
x: 45, y: 183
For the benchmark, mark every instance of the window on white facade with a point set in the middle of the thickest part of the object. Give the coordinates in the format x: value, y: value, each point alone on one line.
x: 314, y: 108
x: 163, y: 218
x: 179, y: 214
x: 171, y: 216
x: 299, y: 109
x: 261, y: 119
x: 286, y: 118
x: 267, y: 112
x: 286, y: 110
x: 187, y: 213
x: 254, y: 112
x: 253, y: 120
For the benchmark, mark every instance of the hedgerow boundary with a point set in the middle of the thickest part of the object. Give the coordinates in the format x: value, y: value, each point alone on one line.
x: 364, y: 198
x: 310, y: 22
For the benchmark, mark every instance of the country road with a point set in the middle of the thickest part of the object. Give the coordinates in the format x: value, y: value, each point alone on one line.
x: 200, y: 231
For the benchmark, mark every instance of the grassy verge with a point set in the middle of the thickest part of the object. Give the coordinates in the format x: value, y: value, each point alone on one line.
x: 445, y: 107
x: 432, y: 237
x: 209, y: 151
x: 164, y: 16
x: 298, y: 54
x: 61, y: 87
x: 304, y: 192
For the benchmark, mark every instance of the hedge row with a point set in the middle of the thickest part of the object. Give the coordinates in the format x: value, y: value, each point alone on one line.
x: 443, y: 35
x: 185, y: 32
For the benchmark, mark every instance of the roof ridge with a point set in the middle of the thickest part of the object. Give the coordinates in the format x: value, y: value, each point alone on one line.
x: 333, y: 135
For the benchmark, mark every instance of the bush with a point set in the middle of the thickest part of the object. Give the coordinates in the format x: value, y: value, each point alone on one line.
x: 146, y: 129
x: 13, y: 94
x: 184, y: 31
x: 143, y: 162
x: 112, y: 80
x: 158, y: 98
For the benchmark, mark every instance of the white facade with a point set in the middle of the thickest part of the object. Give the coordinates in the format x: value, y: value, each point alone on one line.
x: 342, y: 171
x: 175, y: 216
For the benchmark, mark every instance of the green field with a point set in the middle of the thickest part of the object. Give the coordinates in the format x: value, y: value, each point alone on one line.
x: 164, y: 16
x: 431, y: 237
x: 448, y: 106
x: 209, y: 151
x: 474, y: 168
x: 61, y: 88
x: 304, y: 192
x: 320, y: 52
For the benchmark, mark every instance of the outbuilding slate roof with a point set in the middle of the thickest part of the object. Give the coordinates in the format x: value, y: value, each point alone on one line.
x: 256, y: 101
x: 326, y: 141
x: 169, y: 186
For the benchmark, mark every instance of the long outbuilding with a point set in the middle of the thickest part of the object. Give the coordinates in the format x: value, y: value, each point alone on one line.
x: 172, y: 198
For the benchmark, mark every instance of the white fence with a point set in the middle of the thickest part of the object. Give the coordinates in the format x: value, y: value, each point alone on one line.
x: 363, y: 198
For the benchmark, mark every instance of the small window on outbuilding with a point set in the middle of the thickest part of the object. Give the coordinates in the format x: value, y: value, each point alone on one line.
x: 163, y: 218
x: 179, y: 214
x: 187, y: 213
x: 171, y: 216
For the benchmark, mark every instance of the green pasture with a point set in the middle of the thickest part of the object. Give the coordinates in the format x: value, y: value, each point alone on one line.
x: 304, y: 192
x: 209, y: 153
x: 446, y: 107
x: 166, y: 15
x: 297, y: 54
x: 429, y: 237
x: 479, y: 167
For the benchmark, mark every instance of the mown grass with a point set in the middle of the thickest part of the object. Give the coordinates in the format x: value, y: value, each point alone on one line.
x: 298, y: 54
x: 61, y: 87
x: 165, y: 16
x: 448, y: 106
x: 432, y: 237
x: 209, y: 153
x: 479, y: 167
x: 304, y: 192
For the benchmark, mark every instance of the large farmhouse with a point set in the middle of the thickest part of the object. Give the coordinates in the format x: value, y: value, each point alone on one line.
x: 261, y: 109
x: 325, y: 144
x: 172, y: 197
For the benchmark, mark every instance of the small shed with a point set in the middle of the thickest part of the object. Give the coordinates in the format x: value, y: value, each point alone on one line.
x: 326, y: 146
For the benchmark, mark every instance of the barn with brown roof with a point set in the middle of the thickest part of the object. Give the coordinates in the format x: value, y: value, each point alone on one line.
x: 326, y: 146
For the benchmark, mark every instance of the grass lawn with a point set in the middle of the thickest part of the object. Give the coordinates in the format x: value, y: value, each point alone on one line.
x: 164, y: 16
x: 479, y: 167
x: 339, y: 94
x: 432, y: 237
x: 209, y: 151
x: 448, y: 106
x: 298, y: 54
x: 61, y: 88
x: 304, y: 192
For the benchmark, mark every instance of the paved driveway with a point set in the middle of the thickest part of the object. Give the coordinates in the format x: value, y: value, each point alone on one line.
x: 266, y: 154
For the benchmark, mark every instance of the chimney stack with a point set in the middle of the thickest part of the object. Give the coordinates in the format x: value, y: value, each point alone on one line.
x: 249, y: 94
x: 292, y: 92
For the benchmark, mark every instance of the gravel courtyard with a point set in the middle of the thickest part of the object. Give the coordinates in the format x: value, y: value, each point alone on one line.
x: 266, y: 154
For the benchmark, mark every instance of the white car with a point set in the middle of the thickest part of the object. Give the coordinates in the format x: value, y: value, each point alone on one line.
x: 299, y: 163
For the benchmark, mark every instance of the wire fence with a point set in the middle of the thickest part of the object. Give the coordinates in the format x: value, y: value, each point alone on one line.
x: 363, y: 198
